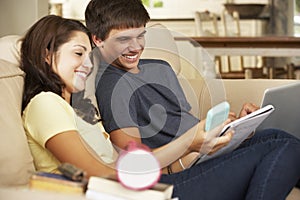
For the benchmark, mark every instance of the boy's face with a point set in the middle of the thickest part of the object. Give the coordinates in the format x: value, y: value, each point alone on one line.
x: 123, y: 48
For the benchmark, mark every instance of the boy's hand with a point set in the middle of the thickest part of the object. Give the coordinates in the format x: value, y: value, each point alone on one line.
x: 232, y: 116
x: 247, y: 109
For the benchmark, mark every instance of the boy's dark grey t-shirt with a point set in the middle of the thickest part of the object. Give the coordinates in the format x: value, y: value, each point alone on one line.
x: 152, y: 101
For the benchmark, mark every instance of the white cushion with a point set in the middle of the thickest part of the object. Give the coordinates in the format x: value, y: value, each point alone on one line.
x: 10, y: 48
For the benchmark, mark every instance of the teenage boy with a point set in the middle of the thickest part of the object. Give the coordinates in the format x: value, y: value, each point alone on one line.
x: 139, y: 99
x: 142, y: 100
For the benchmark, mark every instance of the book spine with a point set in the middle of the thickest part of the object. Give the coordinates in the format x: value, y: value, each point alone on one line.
x: 53, y: 186
x: 110, y: 187
x: 94, y: 195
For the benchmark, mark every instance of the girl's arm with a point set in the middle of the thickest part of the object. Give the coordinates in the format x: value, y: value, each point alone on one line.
x: 193, y: 141
x: 69, y: 147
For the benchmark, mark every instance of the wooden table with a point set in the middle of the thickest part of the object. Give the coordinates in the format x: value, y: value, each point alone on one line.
x: 265, y: 46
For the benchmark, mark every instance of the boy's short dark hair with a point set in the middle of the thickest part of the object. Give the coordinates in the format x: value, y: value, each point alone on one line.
x: 102, y: 16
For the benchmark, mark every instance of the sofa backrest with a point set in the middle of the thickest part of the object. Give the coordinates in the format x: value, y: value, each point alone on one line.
x: 16, y: 163
x: 10, y: 47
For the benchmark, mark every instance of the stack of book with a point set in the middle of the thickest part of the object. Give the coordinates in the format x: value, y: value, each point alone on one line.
x: 97, y: 188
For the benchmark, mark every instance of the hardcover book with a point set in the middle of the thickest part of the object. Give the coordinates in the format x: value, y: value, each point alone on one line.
x: 102, y: 188
x: 243, y: 128
x: 56, y: 182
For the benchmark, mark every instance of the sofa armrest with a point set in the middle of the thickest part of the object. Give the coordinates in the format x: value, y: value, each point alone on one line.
x: 239, y: 92
x: 235, y: 91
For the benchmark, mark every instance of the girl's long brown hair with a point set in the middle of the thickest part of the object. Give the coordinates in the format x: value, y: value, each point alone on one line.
x: 46, y: 35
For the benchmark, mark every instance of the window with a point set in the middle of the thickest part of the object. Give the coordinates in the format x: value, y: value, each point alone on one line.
x: 297, y: 18
x: 153, y: 3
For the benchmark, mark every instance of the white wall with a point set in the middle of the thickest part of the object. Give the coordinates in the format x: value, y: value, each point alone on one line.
x: 187, y: 8
x: 74, y: 8
x: 16, y: 16
x: 171, y: 9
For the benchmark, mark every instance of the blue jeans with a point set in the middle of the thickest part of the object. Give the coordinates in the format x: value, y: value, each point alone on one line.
x: 267, y: 166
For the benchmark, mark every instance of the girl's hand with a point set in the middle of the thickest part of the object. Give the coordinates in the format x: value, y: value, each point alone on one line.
x: 210, y: 142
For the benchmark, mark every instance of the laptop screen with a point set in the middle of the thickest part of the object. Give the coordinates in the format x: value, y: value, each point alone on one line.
x: 286, y: 101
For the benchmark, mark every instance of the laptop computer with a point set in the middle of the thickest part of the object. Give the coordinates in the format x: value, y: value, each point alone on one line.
x: 286, y: 116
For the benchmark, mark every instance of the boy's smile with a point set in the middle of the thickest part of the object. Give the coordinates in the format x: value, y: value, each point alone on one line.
x: 123, y: 48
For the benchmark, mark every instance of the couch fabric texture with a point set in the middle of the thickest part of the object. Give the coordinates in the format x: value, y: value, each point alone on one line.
x: 15, y: 158
x: 16, y: 163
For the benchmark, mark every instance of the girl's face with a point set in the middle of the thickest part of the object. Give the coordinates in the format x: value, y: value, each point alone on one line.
x: 72, y: 62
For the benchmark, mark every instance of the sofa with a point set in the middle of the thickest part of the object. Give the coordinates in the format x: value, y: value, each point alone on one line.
x: 16, y: 163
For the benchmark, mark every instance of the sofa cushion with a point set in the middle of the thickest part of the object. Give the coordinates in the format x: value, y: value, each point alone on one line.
x: 16, y: 163
x: 10, y: 48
